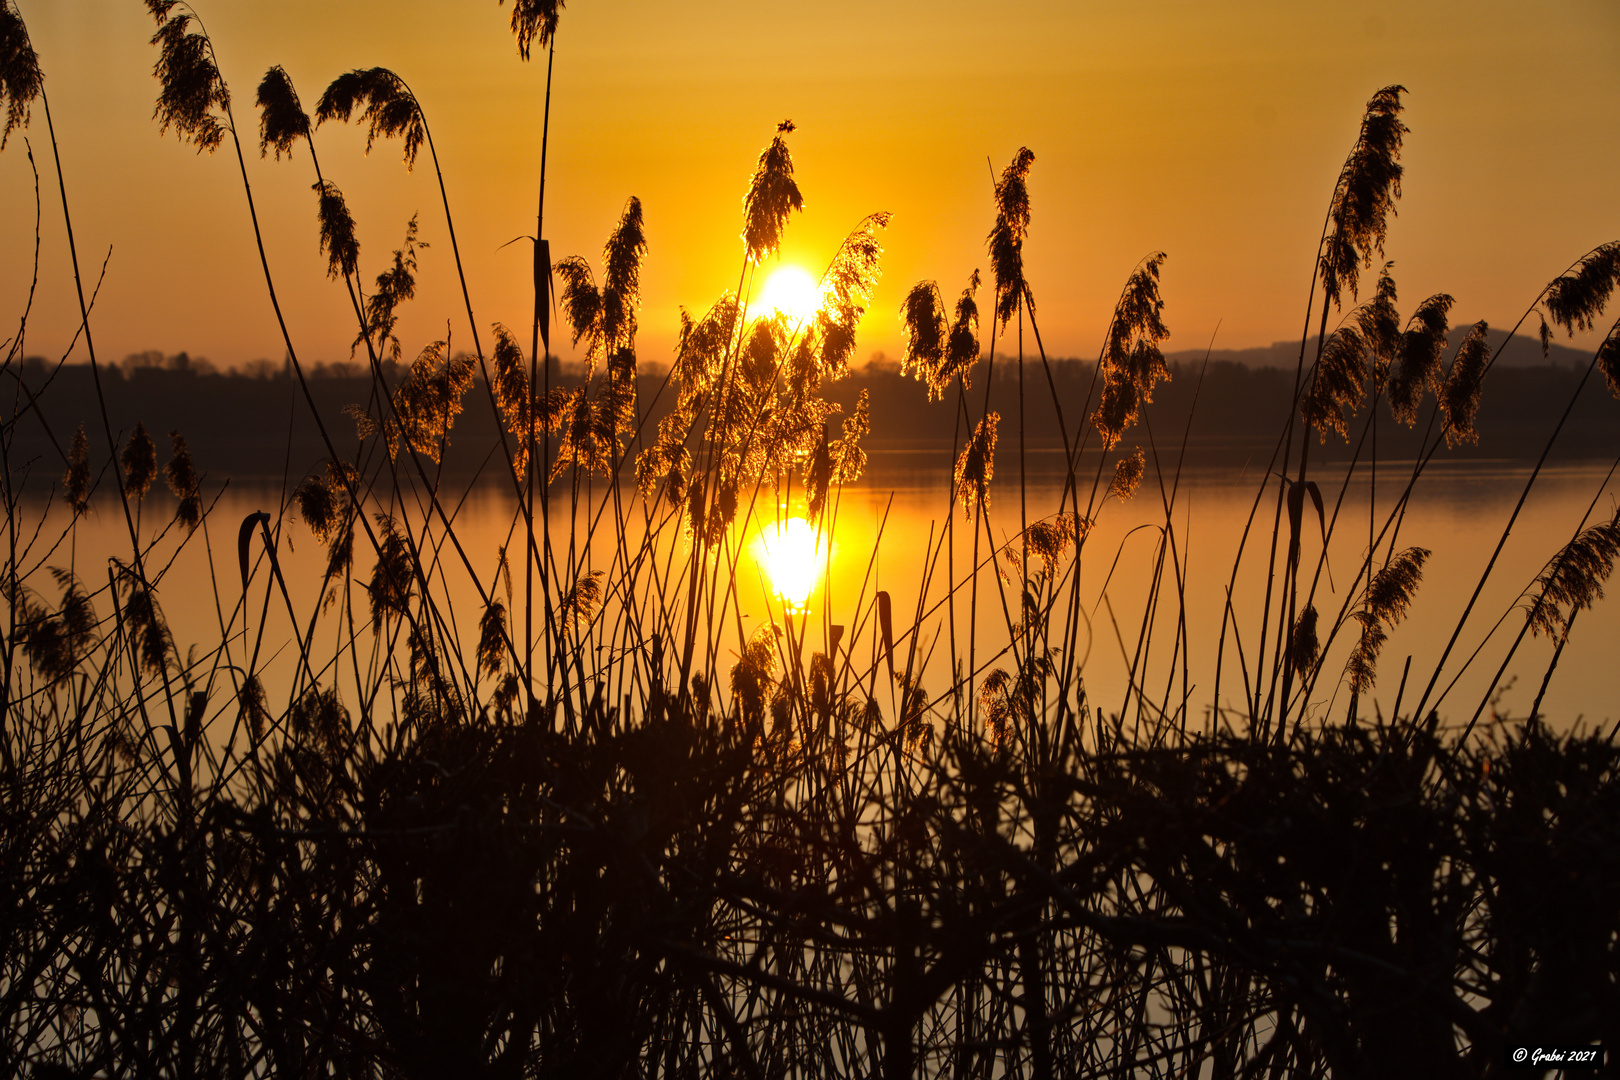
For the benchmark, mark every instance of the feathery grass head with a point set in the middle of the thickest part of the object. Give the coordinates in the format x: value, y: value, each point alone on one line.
x: 1608, y: 358
x: 1303, y: 647
x: 1337, y: 382
x: 55, y: 642
x: 21, y: 79
x: 1417, y: 358
x: 623, y: 253
x: 511, y: 391
x: 605, y: 318
x: 937, y: 351
x: 147, y: 627
x: 1006, y: 240
x: 193, y: 98
x: 534, y: 21
x: 1460, y: 395
x: 1380, y: 324
x: 846, y: 290
x: 140, y: 462
x: 395, y: 286
x: 387, y: 108
x: 1384, y: 604
x: 1369, y: 184
x: 182, y: 477
x: 772, y: 196
x: 1574, y: 579
x: 428, y: 400
x: 581, y: 603
x: 392, y: 575
x: 338, y: 241
x: 962, y: 351
x: 1048, y: 540
x: 922, y: 316
x: 282, y: 119
x: 703, y: 344
x: 251, y: 706
x: 1132, y: 363
x: 1576, y: 299
x: 976, y: 465
x: 318, y: 506
x: 76, y: 480
x: 1128, y: 475
x: 492, y: 639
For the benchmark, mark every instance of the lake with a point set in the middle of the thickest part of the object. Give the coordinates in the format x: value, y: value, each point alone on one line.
x: 886, y: 535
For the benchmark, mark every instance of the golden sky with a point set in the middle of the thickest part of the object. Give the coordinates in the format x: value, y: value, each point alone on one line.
x: 1211, y: 130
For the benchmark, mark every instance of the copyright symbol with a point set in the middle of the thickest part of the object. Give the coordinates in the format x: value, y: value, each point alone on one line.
x: 1520, y: 1054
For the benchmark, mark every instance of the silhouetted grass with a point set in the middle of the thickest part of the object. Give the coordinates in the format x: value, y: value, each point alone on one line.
x: 587, y: 842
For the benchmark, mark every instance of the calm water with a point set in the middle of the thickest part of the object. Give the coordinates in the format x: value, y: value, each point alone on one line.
x: 887, y: 532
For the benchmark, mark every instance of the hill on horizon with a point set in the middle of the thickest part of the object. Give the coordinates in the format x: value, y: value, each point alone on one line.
x: 1520, y: 352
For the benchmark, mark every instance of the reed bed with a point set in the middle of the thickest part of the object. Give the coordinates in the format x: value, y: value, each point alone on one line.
x: 581, y: 821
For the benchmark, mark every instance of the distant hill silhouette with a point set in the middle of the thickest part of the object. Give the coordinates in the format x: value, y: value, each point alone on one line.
x: 1520, y: 352
x: 257, y: 424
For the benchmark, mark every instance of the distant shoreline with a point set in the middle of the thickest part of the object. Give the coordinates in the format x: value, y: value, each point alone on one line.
x: 259, y: 425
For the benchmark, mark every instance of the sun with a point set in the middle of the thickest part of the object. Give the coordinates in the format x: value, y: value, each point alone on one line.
x: 793, y: 292
x: 791, y: 553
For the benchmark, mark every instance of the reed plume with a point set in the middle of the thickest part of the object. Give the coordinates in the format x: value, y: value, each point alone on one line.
x: 605, y: 319
x: 182, y: 477
x: 282, y: 119
x: 251, y: 706
x: 588, y: 429
x: 1132, y: 363
x: 1460, y: 395
x: 427, y: 401
x: 492, y: 639
x: 318, y: 505
x: 922, y: 317
x: 392, y: 575
x: 387, y: 108
x: 1574, y: 579
x: 936, y: 351
x: 1608, y: 359
x: 976, y: 465
x: 1337, y: 384
x: 55, y: 642
x: 1380, y: 325
x: 581, y: 603
x: 846, y: 290
x: 1303, y: 646
x: 1575, y: 299
x: 147, y: 628
x: 1049, y: 540
x: 1007, y: 235
x: 512, y: 396
x: 772, y: 196
x: 21, y: 79
x: 1127, y: 475
x: 338, y: 241
x: 1364, y: 197
x: 534, y: 21
x: 76, y: 480
x: 395, y: 286
x: 1417, y: 363
x: 1385, y: 602
x: 140, y: 462
x: 193, y: 98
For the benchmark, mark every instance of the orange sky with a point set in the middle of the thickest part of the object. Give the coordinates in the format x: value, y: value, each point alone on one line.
x: 1212, y: 131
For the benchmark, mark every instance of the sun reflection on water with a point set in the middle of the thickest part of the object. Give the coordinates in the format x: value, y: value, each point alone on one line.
x: 791, y: 553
